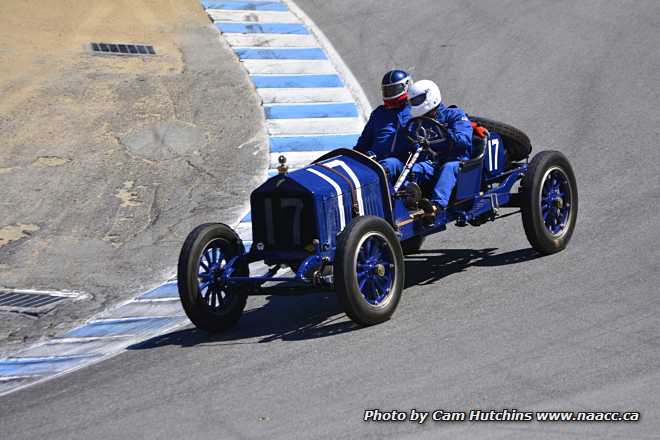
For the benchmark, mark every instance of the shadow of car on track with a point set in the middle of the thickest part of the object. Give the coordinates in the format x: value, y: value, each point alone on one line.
x: 317, y: 315
x: 286, y: 318
x: 429, y: 266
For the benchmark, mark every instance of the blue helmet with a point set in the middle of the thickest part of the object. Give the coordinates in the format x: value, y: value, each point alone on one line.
x: 395, y: 88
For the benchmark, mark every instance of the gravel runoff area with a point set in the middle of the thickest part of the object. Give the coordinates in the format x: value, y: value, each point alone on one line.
x: 107, y: 162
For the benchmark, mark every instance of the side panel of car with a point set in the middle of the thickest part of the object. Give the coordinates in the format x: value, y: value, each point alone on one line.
x: 360, y: 193
x: 495, y: 158
x: 468, y: 184
x: 365, y: 169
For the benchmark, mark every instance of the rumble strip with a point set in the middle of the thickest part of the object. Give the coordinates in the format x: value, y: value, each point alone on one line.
x: 312, y: 104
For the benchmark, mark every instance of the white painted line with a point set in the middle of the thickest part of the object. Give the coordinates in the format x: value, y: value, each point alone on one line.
x: 349, y: 79
x: 296, y: 159
x: 303, y: 95
x: 141, y: 309
x: 270, y: 40
x: 244, y: 230
x: 340, y: 197
x: 109, y: 320
x: 80, y: 346
x: 356, y: 182
x: 314, y: 126
x: 84, y: 339
x: 155, y: 300
x: 285, y: 67
x: 10, y: 378
x: 252, y: 17
x: 110, y: 353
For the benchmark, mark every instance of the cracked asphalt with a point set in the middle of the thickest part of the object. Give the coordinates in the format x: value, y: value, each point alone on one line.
x: 107, y: 164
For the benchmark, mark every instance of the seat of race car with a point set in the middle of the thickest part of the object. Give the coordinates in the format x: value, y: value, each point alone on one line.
x: 478, y: 152
x: 467, y: 186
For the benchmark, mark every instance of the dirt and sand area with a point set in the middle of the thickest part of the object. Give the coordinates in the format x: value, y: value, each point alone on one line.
x: 107, y: 162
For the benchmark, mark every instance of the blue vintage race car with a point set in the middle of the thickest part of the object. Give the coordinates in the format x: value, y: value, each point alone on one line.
x: 340, y: 223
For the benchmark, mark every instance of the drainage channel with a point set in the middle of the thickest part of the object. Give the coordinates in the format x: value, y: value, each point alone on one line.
x: 151, y: 313
x: 33, y: 301
x: 122, y: 49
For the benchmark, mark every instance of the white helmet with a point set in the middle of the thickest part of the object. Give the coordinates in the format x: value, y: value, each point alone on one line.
x: 423, y: 96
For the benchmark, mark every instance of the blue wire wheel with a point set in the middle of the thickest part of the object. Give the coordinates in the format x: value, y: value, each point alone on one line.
x: 368, y: 270
x: 555, y: 201
x: 549, y: 202
x: 210, y: 285
x: 375, y: 270
x: 204, y: 263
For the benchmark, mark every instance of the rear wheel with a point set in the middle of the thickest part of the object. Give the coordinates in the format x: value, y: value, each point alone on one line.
x: 209, y: 303
x: 549, y: 202
x: 369, y: 270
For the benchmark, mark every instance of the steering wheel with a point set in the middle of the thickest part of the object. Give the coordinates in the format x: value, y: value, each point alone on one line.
x: 427, y: 132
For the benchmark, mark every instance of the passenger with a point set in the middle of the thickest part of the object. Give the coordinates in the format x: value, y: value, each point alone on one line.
x: 384, y: 136
x: 425, y: 100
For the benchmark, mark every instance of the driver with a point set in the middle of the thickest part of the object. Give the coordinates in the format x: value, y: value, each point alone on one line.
x: 425, y: 100
x: 383, y: 136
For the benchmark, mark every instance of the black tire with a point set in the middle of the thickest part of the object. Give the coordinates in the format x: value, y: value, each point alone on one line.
x: 516, y: 143
x: 204, y: 315
x: 350, y: 296
x: 412, y: 245
x: 545, y: 166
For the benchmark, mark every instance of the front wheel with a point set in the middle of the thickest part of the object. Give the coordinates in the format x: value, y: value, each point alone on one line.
x: 369, y: 270
x: 549, y: 202
x: 209, y: 303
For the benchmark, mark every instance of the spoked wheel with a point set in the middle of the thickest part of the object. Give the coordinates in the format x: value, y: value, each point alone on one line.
x: 556, y: 201
x: 375, y: 269
x: 209, y: 303
x: 369, y: 270
x: 549, y: 202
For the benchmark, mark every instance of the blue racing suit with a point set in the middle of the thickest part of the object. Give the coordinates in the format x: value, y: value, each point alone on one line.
x: 445, y: 171
x: 384, y: 135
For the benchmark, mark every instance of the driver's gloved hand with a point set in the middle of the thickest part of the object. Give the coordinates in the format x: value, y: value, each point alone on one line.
x: 479, y: 130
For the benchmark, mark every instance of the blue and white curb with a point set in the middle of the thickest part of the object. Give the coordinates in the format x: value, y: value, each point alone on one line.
x: 152, y: 313
x: 312, y: 104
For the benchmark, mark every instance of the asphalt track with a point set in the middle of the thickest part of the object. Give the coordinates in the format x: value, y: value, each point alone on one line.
x: 484, y: 323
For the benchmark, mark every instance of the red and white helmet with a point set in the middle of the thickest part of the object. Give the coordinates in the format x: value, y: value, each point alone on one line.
x: 394, y: 86
x: 423, y: 97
